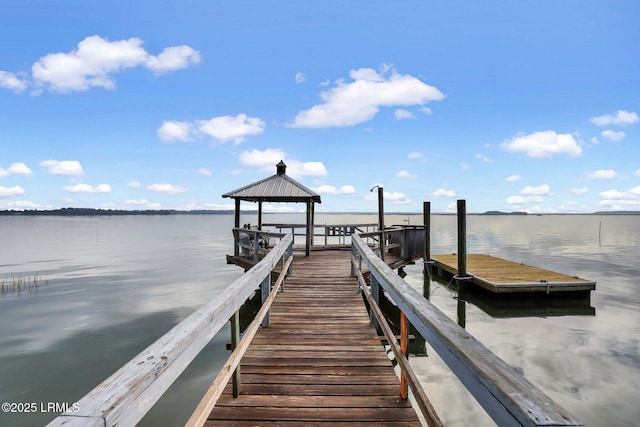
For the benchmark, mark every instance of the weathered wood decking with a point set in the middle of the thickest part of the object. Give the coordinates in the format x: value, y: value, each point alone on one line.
x: 320, y: 362
x: 501, y: 276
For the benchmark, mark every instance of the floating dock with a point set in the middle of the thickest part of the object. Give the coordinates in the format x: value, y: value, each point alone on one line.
x: 499, y: 275
x: 320, y: 361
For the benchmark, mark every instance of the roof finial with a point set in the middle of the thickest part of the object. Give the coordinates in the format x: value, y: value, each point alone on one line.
x: 281, y: 168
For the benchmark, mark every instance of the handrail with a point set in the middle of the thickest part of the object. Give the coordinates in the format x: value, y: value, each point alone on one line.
x: 126, y: 396
x: 199, y: 416
x: 408, y: 376
x: 507, y: 397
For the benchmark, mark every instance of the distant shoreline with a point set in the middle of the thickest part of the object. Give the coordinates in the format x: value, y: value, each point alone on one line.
x: 120, y: 212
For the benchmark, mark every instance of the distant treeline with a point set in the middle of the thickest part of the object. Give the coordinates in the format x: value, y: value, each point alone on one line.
x: 503, y: 213
x: 104, y: 212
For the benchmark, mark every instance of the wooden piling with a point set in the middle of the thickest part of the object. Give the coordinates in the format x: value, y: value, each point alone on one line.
x: 462, y: 238
x: 426, y: 219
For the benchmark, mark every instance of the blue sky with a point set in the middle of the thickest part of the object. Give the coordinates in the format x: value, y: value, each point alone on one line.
x: 512, y: 105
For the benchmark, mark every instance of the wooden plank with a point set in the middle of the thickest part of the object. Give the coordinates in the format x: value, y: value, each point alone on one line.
x: 315, y: 401
x: 314, y: 414
x: 285, y: 423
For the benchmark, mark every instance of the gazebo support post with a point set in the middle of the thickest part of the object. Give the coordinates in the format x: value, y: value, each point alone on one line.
x: 260, y: 215
x: 237, y: 220
x: 307, y: 248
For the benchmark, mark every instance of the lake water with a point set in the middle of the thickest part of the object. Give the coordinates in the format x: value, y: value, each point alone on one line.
x: 109, y: 286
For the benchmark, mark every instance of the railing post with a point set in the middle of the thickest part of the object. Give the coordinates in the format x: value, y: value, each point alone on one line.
x: 265, y: 288
x: 236, y: 242
x: 353, y: 264
x: 290, y: 254
x: 235, y: 339
x: 256, y: 247
x: 404, y: 348
x: 375, y: 292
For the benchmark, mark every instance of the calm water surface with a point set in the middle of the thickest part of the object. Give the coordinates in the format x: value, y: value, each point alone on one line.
x: 116, y: 284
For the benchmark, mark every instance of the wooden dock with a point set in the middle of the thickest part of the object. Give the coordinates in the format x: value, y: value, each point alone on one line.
x: 320, y: 362
x: 502, y: 276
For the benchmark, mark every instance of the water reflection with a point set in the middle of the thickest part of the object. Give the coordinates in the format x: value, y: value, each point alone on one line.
x: 59, y: 373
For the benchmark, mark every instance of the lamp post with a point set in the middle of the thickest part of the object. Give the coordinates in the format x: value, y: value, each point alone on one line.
x: 380, y: 217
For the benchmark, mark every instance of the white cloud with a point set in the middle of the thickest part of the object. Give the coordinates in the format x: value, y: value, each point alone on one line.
x: 426, y: 110
x: 16, y: 169
x: 22, y: 205
x: 172, y: 59
x: 637, y: 172
x: 86, y: 188
x: 619, y: 200
x: 230, y: 128
x: 613, y: 135
x: 465, y: 166
x: 397, y: 198
x: 513, y: 178
x: 267, y: 159
x: 16, y: 190
x: 330, y: 189
x: 621, y: 118
x: 530, y: 195
x: 64, y: 167
x: 299, y: 169
x: 402, y: 114
x: 301, y: 77
x: 602, y: 174
x: 348, y: 104
x: 579, y: 191
x: 175, y: 131
x: 416, y: 155
x: 12, y: 82
x: 441, y: 192
x: 484, y: 158
x: 166, y: 188
x: 612, y: 194
x: 405, y: 174
x: 133, y: 184
x: 204, y: 171
x: 619, y: 205
x: 516, y: 200
x: 136, y: 202
x: 544, y: 144
x: 95, y: 59
x: 540, y: 190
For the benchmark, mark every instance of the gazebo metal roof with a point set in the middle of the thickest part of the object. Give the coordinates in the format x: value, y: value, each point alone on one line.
x: 276, y: 188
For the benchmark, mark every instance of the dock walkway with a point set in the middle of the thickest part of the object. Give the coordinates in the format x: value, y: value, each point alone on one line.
x: 320, y: 362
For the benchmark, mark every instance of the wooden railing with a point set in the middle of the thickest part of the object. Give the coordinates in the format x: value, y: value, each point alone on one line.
x: 252, y: 243
x: 329, y: 233
x: 507, y: 397
x: 126, y: 396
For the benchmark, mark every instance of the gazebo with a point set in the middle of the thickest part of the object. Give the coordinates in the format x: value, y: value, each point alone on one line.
x: 277, y: 188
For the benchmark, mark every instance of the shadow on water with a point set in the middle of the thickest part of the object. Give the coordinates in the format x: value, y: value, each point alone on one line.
x: 53, y: 376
